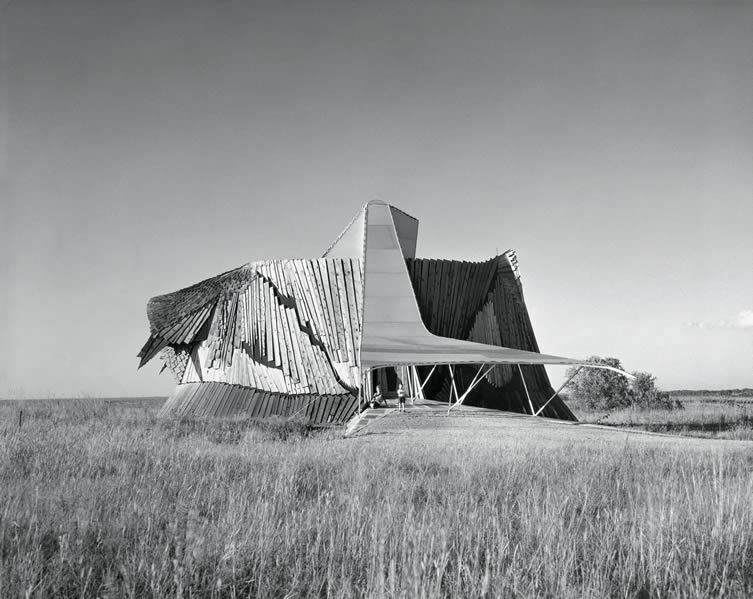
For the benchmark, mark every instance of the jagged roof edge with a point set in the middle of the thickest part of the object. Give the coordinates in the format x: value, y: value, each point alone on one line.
x: 170, y: 308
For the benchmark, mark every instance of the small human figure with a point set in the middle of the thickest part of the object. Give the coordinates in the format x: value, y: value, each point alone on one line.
x: 401, y: 398
x: 376, y: 399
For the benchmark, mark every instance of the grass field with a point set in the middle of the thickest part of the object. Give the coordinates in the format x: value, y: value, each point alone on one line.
x: 102, y: 499
x: 707, y: 416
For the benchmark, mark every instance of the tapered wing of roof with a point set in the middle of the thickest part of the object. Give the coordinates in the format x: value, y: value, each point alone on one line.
x: 393, y: 332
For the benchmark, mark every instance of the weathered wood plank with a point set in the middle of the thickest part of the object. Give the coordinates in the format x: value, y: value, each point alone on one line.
x: 337, y: 310
x: 446, y: 290
x: 219, y: 391
x: 229, y: 401
x: 232, y: 400
x: 342, y: 403
x: 342, y: 299
x: 329, y: 406
x: 310, y: 409
x: 350, y: 294
x: 274, y: 327
x: 256, y: 403
x: 298, y: 339
x: 434, y: 278
x: 331, y: 292
x: 269, y: 405
x: 211, y: 397
x: 320, y: 405
x: 283, y: 332
x: 357, y: 268
x: 307, y: 296
x: 326, y: 305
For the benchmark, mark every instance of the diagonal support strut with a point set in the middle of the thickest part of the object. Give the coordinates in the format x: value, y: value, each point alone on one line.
x: 476, y: 380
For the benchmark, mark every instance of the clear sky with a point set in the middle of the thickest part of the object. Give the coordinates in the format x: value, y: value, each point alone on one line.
x: 145, y: 146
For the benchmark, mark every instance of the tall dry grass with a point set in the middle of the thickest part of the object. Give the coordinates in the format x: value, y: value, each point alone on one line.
x: 123, y: 505
x: 722, y: 419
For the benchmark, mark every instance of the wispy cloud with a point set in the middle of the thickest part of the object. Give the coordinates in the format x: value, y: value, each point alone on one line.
x: 742, y: 320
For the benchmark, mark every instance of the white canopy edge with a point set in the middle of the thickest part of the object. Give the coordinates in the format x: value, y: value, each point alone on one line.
x: 393, y: 332
x: 543, y: 362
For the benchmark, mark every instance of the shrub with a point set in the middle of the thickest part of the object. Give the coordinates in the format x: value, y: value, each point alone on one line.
x: 598, y: 388
x: 646, y: 395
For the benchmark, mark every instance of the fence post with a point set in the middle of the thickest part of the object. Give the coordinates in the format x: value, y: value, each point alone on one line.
x: 20, y: 418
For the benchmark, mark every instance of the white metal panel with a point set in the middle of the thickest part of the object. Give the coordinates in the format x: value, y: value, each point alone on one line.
x: 393, y: 332
x: 389, y: 309
x: 383, y: 285
x: 349, y: 244
x: 378, y: 213
x: 383, y: 261
x: 398, y: 332
x: 406, y: 228
x: 382, y: 237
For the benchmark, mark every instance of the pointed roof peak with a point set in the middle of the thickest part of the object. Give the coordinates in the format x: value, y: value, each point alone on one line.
x: 350, y: 242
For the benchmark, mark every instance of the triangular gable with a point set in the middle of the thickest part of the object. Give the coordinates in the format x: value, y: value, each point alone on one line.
x: 349, y: 244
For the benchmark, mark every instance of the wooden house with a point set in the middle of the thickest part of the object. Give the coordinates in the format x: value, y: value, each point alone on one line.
x: 285, y: 337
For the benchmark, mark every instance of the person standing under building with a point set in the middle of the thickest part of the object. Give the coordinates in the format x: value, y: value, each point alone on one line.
x: 401, y: 398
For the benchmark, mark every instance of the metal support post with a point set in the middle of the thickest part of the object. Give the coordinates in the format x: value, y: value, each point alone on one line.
x: 427, y: 378
x: 476, y: 380
x: 454, y: 388
x: 528, y: 395
x: 562, y: 386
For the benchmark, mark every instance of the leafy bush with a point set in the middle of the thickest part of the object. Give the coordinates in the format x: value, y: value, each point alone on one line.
x: 598, y: 388
x: 646, y: 395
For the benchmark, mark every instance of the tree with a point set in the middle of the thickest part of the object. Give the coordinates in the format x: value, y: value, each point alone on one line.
x: 644, y: 389
x: 646, y: 395
x: 598, y: 388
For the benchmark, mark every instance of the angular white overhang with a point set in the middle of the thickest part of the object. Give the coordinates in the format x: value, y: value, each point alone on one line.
x: 393, y: 332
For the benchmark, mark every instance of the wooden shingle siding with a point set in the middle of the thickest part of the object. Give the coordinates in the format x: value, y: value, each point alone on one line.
x: 274, y: 335
x: 222, y: 390
x: 483, y: 302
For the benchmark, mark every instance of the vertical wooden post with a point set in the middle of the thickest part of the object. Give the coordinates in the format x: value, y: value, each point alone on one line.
x: 20, y: 418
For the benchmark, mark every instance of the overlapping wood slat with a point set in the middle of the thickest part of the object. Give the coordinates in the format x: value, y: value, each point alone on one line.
x: 285, y: 327
x: 222, y: 400
x: 482, y: 302
x: 271, y: 333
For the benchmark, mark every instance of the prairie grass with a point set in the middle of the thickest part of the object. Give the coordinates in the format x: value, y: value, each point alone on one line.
x: 115, y: 503
x: 705, y: 417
